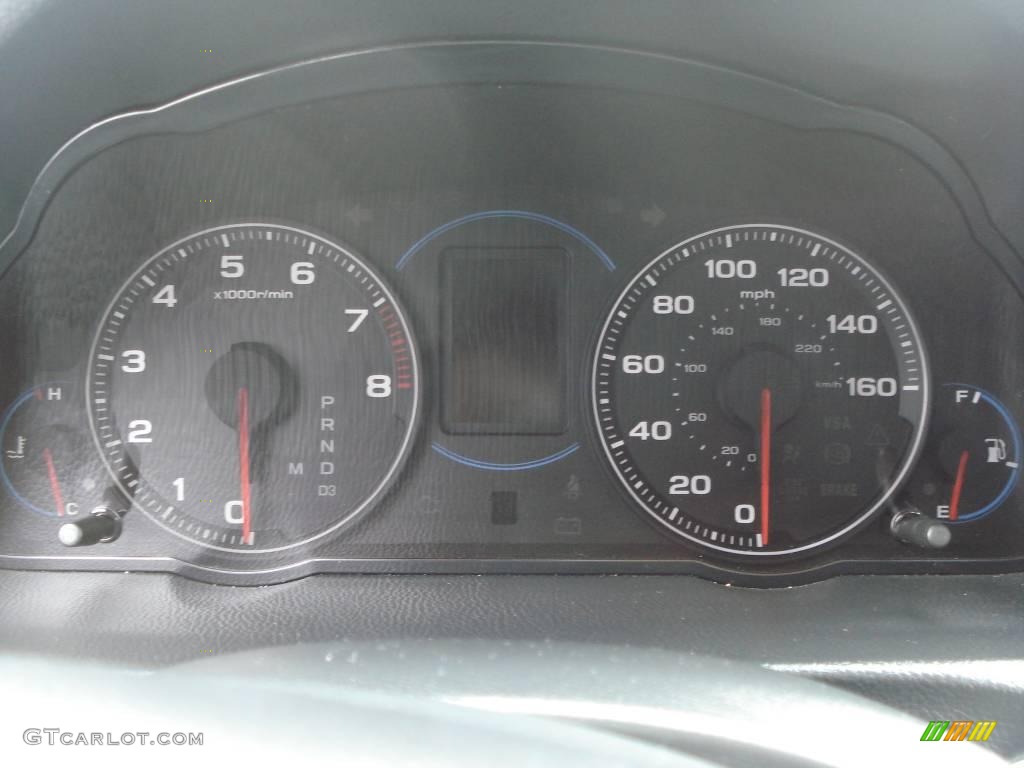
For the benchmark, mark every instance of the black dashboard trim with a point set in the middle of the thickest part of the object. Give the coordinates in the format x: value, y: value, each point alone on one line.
x: 494, y: 61
x: 497, y: 566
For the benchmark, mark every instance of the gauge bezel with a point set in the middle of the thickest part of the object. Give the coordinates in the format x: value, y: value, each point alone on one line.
x: 1011, y: 483
x: 412, y: 428
x: 909, y: 460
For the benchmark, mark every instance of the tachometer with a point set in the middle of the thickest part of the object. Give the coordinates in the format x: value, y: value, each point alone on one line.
x: 760, y: 390
x: 253, y: 387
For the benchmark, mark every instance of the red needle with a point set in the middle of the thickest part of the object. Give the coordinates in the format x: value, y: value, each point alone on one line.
x: 958, y: 486
x: 243, y: 458
x: 766, y: 463
x: 51, y: 470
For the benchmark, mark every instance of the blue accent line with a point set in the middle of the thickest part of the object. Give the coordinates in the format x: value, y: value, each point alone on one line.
x: 496, y: 467
x: 1015, y: 434
x: 3, y: 431
x: 528, y: 215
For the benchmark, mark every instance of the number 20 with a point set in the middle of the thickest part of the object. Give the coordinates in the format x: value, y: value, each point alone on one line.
x: 684, y: 485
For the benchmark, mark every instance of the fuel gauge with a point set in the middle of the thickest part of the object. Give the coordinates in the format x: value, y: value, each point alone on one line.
x: 972, y: 462
x: 49, y: 464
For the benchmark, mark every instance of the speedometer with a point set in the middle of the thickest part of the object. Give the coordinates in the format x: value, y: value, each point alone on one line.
x: 760, y: 390
x: 253, y: 387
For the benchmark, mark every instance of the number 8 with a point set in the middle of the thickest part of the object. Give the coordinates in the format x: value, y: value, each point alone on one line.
x: 378, y: 386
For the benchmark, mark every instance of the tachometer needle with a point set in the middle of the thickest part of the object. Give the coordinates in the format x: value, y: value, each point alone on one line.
x: 51, y: 470
x: 766, y: 463
x: 958, y: 486
x: 243, y: 460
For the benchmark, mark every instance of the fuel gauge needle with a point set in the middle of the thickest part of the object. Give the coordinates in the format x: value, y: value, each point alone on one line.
x: 766, y: 463
x: 958, y: 486
x: 243, y: 461
x: 51, y: 470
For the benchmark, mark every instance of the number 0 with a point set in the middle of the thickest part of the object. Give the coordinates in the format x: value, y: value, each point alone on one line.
x: 745, y: 514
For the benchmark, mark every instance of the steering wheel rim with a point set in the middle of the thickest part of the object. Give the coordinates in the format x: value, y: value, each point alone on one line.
x: 462, y: 702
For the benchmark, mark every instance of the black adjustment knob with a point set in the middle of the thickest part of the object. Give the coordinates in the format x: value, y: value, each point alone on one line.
x: 911, y: 527
x: 102, y: 526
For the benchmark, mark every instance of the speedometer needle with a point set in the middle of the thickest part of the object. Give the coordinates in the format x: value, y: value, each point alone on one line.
x: 766, y: 463
x: 958, y: 486
x: 243, y: 459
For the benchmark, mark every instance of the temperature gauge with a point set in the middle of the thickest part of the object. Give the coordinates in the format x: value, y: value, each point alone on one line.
x: 48, y: 463
x: 972, y: 462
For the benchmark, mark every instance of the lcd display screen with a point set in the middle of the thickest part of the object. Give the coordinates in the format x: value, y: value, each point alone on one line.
x: 504, y: 318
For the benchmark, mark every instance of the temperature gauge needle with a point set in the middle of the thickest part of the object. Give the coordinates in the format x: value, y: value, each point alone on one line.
x: 766, y: 463
x: 243, y: 460
x: 958, y: 486
x: 51, y: 470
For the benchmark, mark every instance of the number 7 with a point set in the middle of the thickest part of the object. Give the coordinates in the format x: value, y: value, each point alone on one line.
x: 360, y: 315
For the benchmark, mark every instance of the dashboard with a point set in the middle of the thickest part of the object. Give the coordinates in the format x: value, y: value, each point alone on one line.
x: 556, y: 379
x: 509, y: 307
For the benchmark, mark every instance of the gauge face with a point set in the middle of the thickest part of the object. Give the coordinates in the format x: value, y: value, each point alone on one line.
x: 972, y: 461
x: 760, y: 390
x: 253, y: 387
x: 47, y: 462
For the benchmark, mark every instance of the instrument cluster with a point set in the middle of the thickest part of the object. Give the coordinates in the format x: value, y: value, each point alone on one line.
x: 528, y: 324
